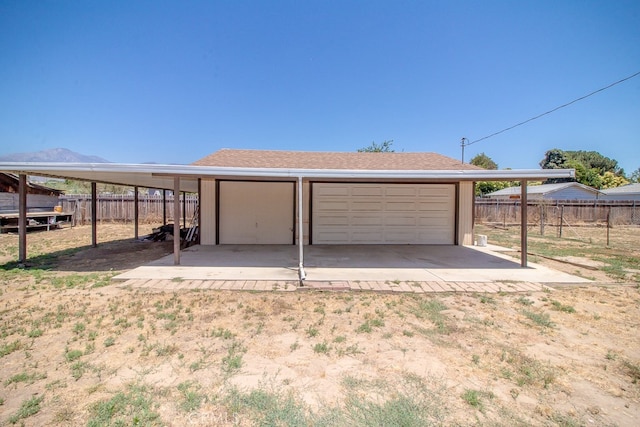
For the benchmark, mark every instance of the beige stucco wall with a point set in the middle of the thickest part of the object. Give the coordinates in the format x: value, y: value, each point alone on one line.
x: 208, y: 212
x: 465, y: 213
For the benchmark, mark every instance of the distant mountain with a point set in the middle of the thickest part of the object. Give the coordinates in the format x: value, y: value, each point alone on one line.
x: 53, y: 155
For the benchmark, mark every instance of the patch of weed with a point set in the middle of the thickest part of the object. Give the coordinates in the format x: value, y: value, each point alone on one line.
x: 558, y: 306
x: 35, y: 333
x: 268, y: 408
x: 135, y: 406
x: 28, y: 408
x: 633, y: 370
x: 410, y: 402
x: 71, y: 355
x: 191, y: 398
x: 6, y: 349
x: 232, y: 362
x: 24, y: 377
x: 472, y: 397
x: 540, y: 319
x: 322, y: 348
x: 524, y: 301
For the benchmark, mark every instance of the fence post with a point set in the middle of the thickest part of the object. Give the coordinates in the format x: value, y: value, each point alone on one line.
x: 542, y: 213
x: 608, y: 224
x: 561, y: 220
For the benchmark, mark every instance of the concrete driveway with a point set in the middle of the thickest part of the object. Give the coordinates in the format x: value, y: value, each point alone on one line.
x: 349, y: 263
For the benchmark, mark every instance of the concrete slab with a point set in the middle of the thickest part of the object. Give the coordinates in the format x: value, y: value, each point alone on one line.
x: 368, y: 265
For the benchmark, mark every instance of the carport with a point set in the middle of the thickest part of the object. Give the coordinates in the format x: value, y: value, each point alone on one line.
x: 456, y: 180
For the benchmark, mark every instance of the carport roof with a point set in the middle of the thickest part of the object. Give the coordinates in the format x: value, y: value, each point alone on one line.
x: 284, y: 165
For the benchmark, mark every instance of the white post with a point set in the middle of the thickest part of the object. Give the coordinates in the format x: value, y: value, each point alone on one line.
x: 176, y: 220
x: 300, y: 232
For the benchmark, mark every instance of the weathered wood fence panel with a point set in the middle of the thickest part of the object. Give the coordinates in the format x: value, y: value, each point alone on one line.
x: 553, y: 212
x: 117, y: 207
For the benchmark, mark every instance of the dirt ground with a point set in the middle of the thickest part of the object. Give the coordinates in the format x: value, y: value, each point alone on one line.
x: 76, y: 349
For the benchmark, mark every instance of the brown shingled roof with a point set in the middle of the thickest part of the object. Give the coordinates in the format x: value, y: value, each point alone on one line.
x: 331, y: 160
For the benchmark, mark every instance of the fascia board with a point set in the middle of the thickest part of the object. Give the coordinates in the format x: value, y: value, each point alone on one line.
x: 87, y: 170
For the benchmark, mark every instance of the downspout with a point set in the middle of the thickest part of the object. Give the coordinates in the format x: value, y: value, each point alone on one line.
x: 301, y: 272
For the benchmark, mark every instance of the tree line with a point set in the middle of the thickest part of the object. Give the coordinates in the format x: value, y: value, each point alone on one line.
x: 592, y: 169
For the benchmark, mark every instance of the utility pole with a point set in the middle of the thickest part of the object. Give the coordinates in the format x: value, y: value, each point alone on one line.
x: 463, y: 143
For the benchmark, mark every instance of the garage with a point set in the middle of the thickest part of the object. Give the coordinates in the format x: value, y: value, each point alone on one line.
x: 368, y: 213
x: 256, y: 212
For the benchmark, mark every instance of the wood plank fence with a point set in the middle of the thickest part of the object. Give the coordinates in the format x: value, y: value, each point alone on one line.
x: 557, y: 212
x: 119, y: 207
x: 112, y: 207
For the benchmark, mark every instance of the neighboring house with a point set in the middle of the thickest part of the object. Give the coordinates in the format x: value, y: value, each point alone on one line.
x: 39, y: 197
x: 625, y: 192
x: 560, y: 191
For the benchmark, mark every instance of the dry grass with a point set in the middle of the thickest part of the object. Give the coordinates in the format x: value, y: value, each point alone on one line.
x: 77, y: 350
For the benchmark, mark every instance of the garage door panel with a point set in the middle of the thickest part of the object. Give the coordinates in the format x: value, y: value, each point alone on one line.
x: 332, y: 190
x: 383, y: 213
x: 367, y: 206
x: 405, y: 221
x: 435, y: 238
x: 334, y: 238
x: 394, y: 206
x: 332, y: 220
x: 435, y: 189
x: 366, y: 191
x: 366, y: 220
x: 370, y: 236
x: 400, y: 237
x: 401, y: 191
x: 435, y: 221
x: 333, y: 205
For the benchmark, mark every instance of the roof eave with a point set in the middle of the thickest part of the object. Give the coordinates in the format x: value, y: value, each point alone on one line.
x: 190, y: 171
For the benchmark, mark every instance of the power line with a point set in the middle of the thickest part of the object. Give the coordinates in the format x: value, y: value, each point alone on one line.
x: 548, y: 112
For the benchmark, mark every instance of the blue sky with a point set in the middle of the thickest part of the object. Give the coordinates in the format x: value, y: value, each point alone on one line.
x: 170, y: 82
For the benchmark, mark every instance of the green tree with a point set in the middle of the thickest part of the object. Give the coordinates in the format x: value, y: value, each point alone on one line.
x: 611, y: 180
x: 595, y: 160
x: 635, y: 176
x: 486, y: 187
x: 554, y: 159
x: 590, y: 167
x: 484, y: 161
x: 384, y: 147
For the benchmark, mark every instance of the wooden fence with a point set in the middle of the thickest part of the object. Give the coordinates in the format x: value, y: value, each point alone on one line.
x: 118, y: 207
x: 113, y: 207
x: 558, y: 212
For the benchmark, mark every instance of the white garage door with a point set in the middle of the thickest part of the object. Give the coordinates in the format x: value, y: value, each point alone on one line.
x: 383, y: 213
x: 256, y: 212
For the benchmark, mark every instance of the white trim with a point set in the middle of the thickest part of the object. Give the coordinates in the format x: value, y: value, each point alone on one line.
x: 86, y: 171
